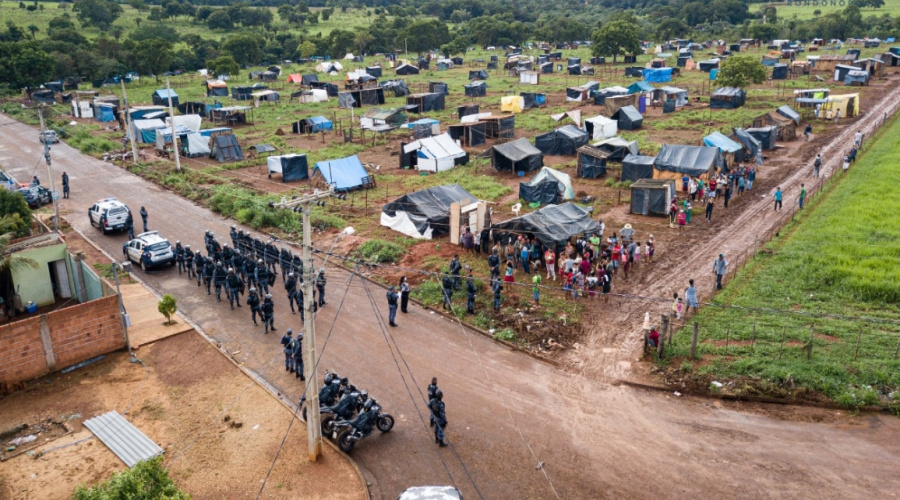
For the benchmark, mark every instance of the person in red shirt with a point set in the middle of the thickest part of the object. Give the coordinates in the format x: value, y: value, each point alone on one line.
x: 616, y: 256
x: 653, y: 337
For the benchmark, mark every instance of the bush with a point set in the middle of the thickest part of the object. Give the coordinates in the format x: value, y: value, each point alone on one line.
x: 168, y: 306
x: 378, y: 251
x: 507, y: 335
x: 147, y: 480
x: 13, y: 204
x: 429, y: 292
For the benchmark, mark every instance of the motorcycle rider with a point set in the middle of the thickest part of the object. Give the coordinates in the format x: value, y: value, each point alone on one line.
x: 439, y: 415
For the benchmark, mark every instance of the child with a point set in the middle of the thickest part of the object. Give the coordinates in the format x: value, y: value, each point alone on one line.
x: 637, y: 253
x: 679, y: 309
x: 651, y: 247
x: 846, y: 163
x: 681, y: 218
x: 675, y: 301
x: 687, y: 211
x: 592, y: 285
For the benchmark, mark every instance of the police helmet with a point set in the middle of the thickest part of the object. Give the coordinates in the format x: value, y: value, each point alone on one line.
x: 230, y: 270
x: 178, y: 242
x: 354, y: 394
x: 252, y: 290
x: 233, y: 227
x: 218, y: 264
x: 290, y: 331
x: 210, y: 234
x: 291, y: 274
x: 369, y: 404
x: 345, y: 381
x: 207, y: 231
x: 260, y: 261
x: 187, y: 246
x: 328, y: 377
x: 335, y: 381
x: 225, y: 245
x: 439, y: 394
x: 268, y: 295
x: 364, y: 394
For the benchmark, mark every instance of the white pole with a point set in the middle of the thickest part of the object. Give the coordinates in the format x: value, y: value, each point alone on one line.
x: 172, y: 119
x: 313, y: 425
x: 128, y: 131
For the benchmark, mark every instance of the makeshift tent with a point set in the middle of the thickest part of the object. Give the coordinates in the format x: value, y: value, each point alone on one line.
x: 426, y: 102
x: 216, y: 88
x: 274, y: 69
x: 478, y: 74
x: 652, y: 196
x: 292, y: 167
x: 476, y: 89
x: 266, y: 96
x: 312, y: 125
x: 780, y: 72
x: 548, y: 186
x: 425, y: 214
x: 788, y: 112
x: 847, y: 105
x: 751, y: 145
x: 674, y: 161
x: 376, y: 119
x: 682, y: 61
x: 332, y: 67
x: 469, y: 109
x: 727, y: 98
x: 344, y: 174
x: 856, y: 78
x: 591, y: 162
x: 226, y: 148
x: 529, y: 77
x: 636, y: 167
x: 498, y: 127
x: 519, y: 156
x: 192, y: 108
x: 468, y: 134
x: 600, y: 127
x: 547, y: 67
x: 161, y: 97
x: 765, y: 135
x: 533, y: 100
x: 786, y: 128
x: 553, y: 225
x: 658, y: 75
x: 628, y: 118
x: 639, y: 87
x: 438, y: 87
x: 398, y: 87
x: 512, y: 104
x: 245, y: 93
x: 295, y: 78
x: 574, y: 69
x: 582, y: 92
x: 617, y: 148
x: 145, y: 130
x: 374, y: 71
x: 310, y: 96
x: 601, y: 95
x: 721, y: 141
x: 44, y: 96
x: 194, y: 145
x: 444, y: 64
x: 433, y: 154
x: 563, y: 141
x: 612, y: 104
x: 189, y: 122
x: 407, y: 69
x: 680, y: 96
x: 708, y: 65
x: 269, y: 76
x: 361, y: 97
x: 309, y: 79
x: 457, y: 60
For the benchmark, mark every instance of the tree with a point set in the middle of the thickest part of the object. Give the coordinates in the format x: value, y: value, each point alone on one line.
x: 219, y: 20
x: 246, y: 48
x: 25, y: 64
x: 817, y: 13
x: 223, y: 65
x: 458, y: 45
x: 138, y: 5
x: 362, y: 40
x: 154, y: 56
x: 616, y: 37
x: 15, y: 216
x: 9, y: 224
x: 147, y: 479
x: 97, y: 13
x: 33, y: 29
x: 137, y: 21
x: 307, y: 49
x: 671, y: 28
x: 426, y: 34
x: 762, y: 31
x: 326, y: 14
x: 739, y: 71
x: 168, y: 306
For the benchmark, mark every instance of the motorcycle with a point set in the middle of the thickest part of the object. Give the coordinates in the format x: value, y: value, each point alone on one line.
x: 349, y: 432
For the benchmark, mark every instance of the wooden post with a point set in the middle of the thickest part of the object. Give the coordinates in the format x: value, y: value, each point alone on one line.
x: 781, y: 350
x: 752, y: 338
x: 897, y: 352
x: 662, y: 338
x: 671, y: 332
x: 367, y: 202
x: 727, y: 338
x: 811, y: 338
x: 646, y: 340
x: 858, y: 338
x: 694, y: 342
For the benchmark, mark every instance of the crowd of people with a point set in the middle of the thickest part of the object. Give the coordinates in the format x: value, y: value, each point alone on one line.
x: 706, y: 192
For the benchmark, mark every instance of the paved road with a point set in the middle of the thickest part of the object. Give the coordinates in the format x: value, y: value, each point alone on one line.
x: 507, y: 411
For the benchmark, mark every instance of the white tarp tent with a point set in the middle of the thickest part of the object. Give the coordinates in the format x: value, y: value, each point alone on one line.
x: 329, y: 66
x: 601, y: 127
x: 197, y: 145
x: 314, y: 95
x: 349, y: 56
x: 435, y: 154
x: 190, y: 122
x: 354, y: 75
x: 529, y: 77
x: 474, y: 118
x: 563, y: 180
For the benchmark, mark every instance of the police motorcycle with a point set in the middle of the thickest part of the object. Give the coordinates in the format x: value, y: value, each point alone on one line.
x: 349, y: 432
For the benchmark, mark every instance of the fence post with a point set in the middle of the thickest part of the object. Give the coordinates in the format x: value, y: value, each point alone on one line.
x: 783, y: 329
x: 752, y: 339
x: 727, y: 338
x: 897, y: 352
x: 694, y: 342
x: 755, y: 244
x: 858, y: 338
x: 811, y: 338
x: 662, y: 338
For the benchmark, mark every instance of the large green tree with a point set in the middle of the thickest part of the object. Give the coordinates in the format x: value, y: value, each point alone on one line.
x: 426, y: 34
x: 25, y: 64
x: 246, y: 48
x: 616, y: 37
x: 154, y: 56
x: 740, y: 71
x: 97, y: 13
x: 223, y: 65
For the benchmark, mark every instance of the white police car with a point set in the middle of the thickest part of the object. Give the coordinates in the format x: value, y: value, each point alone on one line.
x: 431, y: 493
x: 109, y: 214
x: 149, y: 249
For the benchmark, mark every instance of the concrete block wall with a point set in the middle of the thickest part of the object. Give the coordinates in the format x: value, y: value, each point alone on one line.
x: 37, y: 346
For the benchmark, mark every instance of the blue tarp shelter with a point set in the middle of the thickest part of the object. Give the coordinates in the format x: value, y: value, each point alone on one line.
x: 658, y: 75
x: 161, y: 97
x: 719, y: 140
x: 107, y: 113
x: 345, y: 174
x: 714, y: 74
x: 642, y: 86
x: 145, y: 130
x: 313, y: 124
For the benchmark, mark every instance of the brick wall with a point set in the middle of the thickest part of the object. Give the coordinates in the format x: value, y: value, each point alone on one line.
x: 71, y: 335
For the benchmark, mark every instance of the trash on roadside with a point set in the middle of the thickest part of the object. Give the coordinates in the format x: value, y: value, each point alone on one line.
x: 677, y: 393
x: 717, y: 384
x: 19, y: 441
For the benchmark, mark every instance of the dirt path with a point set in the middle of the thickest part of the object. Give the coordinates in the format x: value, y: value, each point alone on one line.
x: 615, y: 338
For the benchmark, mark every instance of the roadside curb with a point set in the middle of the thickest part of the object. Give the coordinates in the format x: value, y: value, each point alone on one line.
x: 747, y: 399
x: 255, y: 377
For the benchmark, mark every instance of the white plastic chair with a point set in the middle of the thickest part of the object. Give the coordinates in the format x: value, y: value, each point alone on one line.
x: 516, y: 208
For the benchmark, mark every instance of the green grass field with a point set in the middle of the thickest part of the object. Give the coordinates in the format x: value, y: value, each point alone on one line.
x: 804, y: 11
x: 835, y: 273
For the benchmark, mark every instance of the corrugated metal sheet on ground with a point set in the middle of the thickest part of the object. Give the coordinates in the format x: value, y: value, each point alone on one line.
x: 124, y: 439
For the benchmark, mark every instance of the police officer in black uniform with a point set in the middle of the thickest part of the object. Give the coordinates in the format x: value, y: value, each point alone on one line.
x: 219, y: 278
x: 209, y: 268
x: 297, y: 353
x: 494, y: 264
x: 290, y: 286
x: 179, y: 256
x: 447, y: 289
x: 237, y: 262
x: 253, y: 302
x: 233, y: 288
x: 261, y: 277
x: 320, y: 285
x: 470, y: 293
x: 199, y: 264
x: 438, y: 412
x: 284, y: 261
x: 288, y: 350
x: 189, y: 261
x: 234, y: 236
x: 297, y: 266
x: 250, y: 269
x: 268, y: 310
x: 455, y: 268
x: 432, y: 389
x: 227, y: 255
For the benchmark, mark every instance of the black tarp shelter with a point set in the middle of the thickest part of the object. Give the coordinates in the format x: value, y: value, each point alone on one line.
x: 476, y: 89
x: 727, y: 98
x: 635, y: 167
x: 361, y: 97
x: 292, y: 167
x: 765, y: 135
x: 426, y: 213
x: 468, y: 134
x: 478, y: 74
x: 553, y: 225
x: 516, y: 156
x: 548, y: 186
x: 407, y: 69
x: 468, y: 109
x: 629, y: 118
x: 226, y: 148
x: 374, y: 71
x: 780, y: 72
x: 398, y: 87
x: 750, y: 143
x: 439, y: 87
x: 591, y: 163
x: 161, y: 97
x: 563, y: 141
x: 652, y: 196
x: 426, y: 102
x: 673, y: 161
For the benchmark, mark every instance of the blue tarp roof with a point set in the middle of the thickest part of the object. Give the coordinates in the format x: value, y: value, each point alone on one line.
x: 719, y: 140
x: 164, y: 93
x: 207, y: 132
x: 658, y: 75
x: 318, y: 120
x: 641, y: 86
x: 344, y: 173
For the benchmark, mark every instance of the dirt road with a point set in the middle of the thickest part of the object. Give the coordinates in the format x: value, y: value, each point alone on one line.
x: 507, y: 411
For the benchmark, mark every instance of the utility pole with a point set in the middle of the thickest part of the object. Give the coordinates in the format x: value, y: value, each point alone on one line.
x: 313, y: 424
x: 128, y: 129
x: 172, y: 120
x: 53, y: 192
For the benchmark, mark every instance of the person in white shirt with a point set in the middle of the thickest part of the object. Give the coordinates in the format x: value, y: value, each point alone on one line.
x: 858, y: 137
